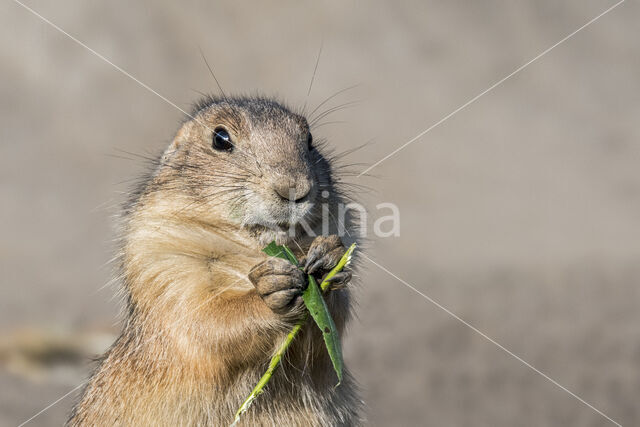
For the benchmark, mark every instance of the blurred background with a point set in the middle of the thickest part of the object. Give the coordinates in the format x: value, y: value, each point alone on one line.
x: 521, y: 213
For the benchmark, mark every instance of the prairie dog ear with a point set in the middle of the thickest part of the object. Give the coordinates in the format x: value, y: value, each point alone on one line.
x: 171, y: 150
x: 181, y: 136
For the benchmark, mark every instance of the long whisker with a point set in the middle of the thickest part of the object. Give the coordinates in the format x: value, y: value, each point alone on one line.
x: 313, y: 76
x: 333, y: 110
x: 333, y: 96
x: 155, y: 161
x: 212, y: 73
x: 349, y: 151
x: 200, y: 201
x: 334, y: 122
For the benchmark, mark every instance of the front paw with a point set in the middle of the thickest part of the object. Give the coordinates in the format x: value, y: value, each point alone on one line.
x: 324, y: 254
x: 280, y: 284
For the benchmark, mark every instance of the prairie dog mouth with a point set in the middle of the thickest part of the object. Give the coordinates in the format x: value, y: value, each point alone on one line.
x: 280, y: 214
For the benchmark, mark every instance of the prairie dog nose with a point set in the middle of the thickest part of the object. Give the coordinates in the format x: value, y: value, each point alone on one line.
x: 293, y: 190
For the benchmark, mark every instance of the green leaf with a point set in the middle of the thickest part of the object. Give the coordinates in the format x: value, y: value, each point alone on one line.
x: 277, y: 251
x: 318, y: 308
x: 332, y: 341
x: 280, y: 251
x: 315, y: 303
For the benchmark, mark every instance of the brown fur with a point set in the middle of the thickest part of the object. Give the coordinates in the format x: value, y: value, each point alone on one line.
x: 198, y: 332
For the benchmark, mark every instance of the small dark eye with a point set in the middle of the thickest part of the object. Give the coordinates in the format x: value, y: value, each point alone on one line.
x: 310, y: 142
x: 221, y: 140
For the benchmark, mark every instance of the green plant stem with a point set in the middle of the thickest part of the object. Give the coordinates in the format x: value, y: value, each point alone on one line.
x: 273, y: 364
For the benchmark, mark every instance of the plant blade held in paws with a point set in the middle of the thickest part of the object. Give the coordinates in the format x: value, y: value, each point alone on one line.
x: 320, y: 312
x: 316, y: 303
x: 318, y: 308
x: 280, y: 251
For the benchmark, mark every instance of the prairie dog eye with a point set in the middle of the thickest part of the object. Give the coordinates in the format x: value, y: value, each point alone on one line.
x: 310, y: 141
x: 221, y: 140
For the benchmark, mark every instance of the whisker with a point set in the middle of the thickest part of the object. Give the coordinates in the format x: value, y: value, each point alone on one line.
x: 333, y: 110
x: 334, y: 122
x: 212, y: 73
x: 333, y: 96
x: 313, y: 76
x: 355, y: 149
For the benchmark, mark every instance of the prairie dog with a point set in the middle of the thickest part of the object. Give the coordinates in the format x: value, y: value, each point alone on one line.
x: 205, y: 307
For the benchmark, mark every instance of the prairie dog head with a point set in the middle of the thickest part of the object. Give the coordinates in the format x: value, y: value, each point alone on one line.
x: 248, y: 161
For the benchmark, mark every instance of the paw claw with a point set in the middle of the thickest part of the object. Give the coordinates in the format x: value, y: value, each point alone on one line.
x: 314, y: 267
x: 342, y: 277
x: 324, y: 253
x: 280, y: 284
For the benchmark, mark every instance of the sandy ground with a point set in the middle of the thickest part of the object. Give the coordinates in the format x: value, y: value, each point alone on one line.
x: 520, y: 214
